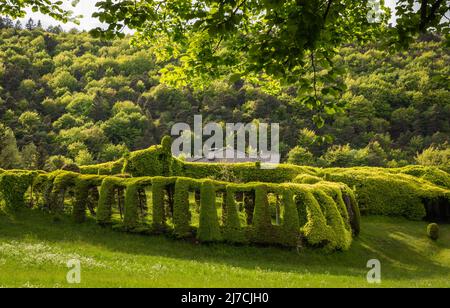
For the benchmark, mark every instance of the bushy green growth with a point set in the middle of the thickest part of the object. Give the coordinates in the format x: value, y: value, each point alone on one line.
x: 319, y: 211
x: 316, y: 231
x: 307, y: 179
x: 13, y: 186
x: 434, y: 156
x: 290, y: 229
x: 430, y: 174
x: 111, y: 168
x: 263, y: 231
x: 154, y: 161
x: 166, y: 144
x: 232, y: 230
x: 404, y: 190
x: 106, y: 200
x: 63, y: 181
x: 334, y: 190
x: 130, y: 220
x: 380, y: 192
x: 340, y: 237
x: 42, y: 190
x: 162, y: 203
x: 209, y: 228
x: 300, y: 202
x: 353, y: 211
x: 244, y: 172
x: 83, y: 184
x: 159, y: 215
x: 81, y: 199
x: 181, y: 212
x: 433, y: 231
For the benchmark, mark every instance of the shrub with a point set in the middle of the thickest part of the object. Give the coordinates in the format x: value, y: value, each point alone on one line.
x: 290, y: 228
x: 262, y: 220
x: 159, y: 216
x: 232, y: 230
x: 83, y: 187
x: 209, y: 229
x: 300, y: 156
x: 339, y: 236
x: 130, y: 220
x: 112, y: 168
x: 154, y: 161
x: 434, y: 157
x: 316, y: 231
x: 405, y: 190
x: 181, y: 213
x: 433, y: 231
x: 13, y: 186
x: 104, y: 208
x: 307, y: 179
x: 81, y: 199
x: 354, y: 214
x: 382, y: 192
x: 63, y: 181
x: 323, y: 213
x: 135, y: 205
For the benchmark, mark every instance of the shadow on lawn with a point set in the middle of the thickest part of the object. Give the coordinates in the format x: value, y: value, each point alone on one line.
x: 389, y: 240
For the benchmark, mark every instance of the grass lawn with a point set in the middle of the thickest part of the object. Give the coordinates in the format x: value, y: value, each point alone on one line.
x: 34, y: 251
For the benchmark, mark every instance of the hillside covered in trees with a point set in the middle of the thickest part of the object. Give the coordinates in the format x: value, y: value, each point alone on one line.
x: 67, y: 97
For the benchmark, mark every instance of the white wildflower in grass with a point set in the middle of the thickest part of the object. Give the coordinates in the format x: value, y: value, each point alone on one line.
x: 42, y: 254
x: 135, y: 267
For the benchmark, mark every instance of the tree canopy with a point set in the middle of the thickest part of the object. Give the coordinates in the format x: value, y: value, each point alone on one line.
x: 279, y: 41
x: 68, y: 97
x: 16, y: 8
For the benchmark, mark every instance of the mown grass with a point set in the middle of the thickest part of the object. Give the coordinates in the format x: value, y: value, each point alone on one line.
x: 34, y: 251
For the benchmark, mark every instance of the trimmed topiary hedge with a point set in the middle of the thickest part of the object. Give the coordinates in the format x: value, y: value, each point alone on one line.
x: 209, y: 229
x: 233, y: 232
x: 111, y: 168
x: 412, y: 192
x: 181, y: 212
x: 83, y: 186
x: 317, y: 207
x: 313, y: 206
x: 386, y: 192
x: 13, y: 186
x: 316, y: 214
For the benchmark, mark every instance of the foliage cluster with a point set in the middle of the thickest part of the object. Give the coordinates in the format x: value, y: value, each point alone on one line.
x: 66, y: 97
x: 322, y: 215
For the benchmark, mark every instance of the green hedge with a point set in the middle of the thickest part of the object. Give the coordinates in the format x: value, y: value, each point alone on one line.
x: 339, y: 237
x: 316, y: 213
x: 263, y: 231
x: 388, y: 192
x: 111, y: 168
x: 181, y: 211
x: 159, y: 216
x: 307, y: 179
x: 13, y: 186
x: 209, y: 228
x: 107, y: 199
x: 380, y: 191
x: 84, y: 184
x: 232, y: 230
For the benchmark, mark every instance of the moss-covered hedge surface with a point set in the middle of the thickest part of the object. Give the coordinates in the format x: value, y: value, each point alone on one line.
x: 323, y: 215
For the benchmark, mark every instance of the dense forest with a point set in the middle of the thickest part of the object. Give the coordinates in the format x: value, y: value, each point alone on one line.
x: 68, y: 97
